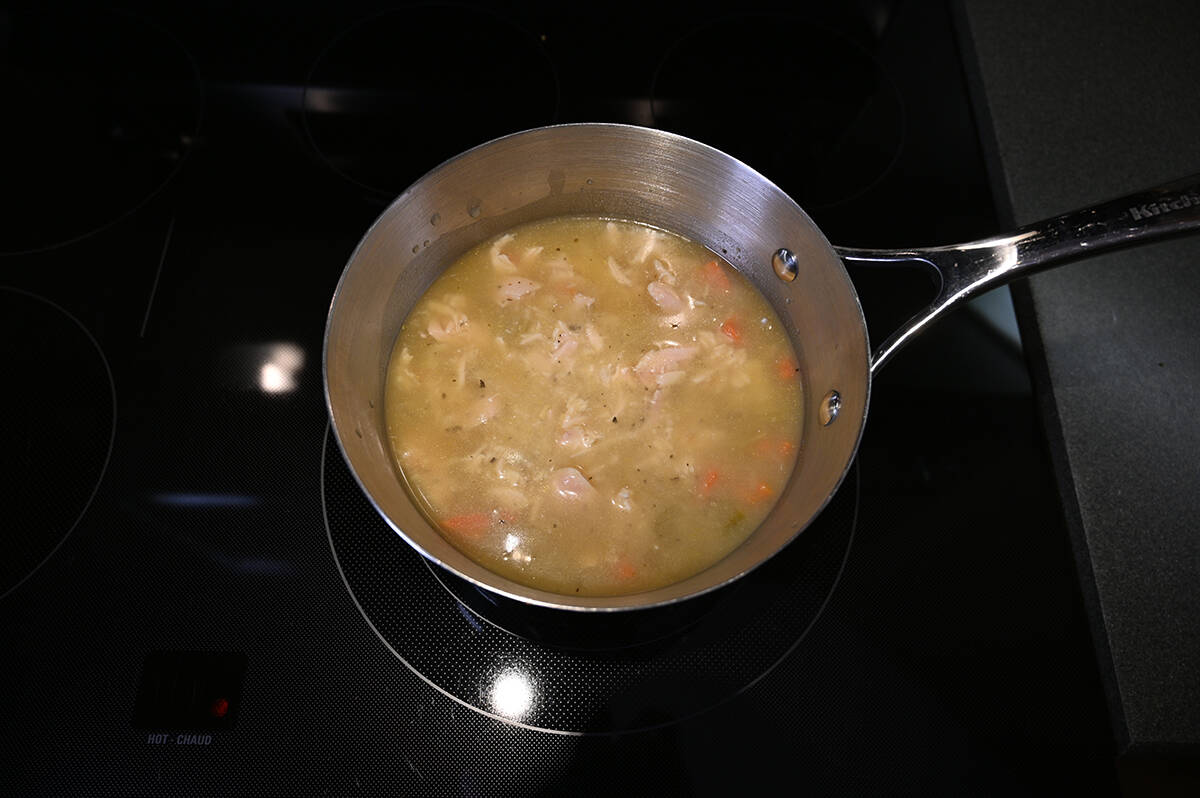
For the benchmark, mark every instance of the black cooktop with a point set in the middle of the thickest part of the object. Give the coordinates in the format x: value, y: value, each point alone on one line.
x: 198, y: 600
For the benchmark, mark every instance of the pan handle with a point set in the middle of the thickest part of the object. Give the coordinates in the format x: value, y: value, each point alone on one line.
x: 966, y: 270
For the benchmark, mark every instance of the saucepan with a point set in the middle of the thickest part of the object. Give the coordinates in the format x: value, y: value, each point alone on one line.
x: 680, y: 185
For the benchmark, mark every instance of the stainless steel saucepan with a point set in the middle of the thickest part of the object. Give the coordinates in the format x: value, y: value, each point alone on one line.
x: 689, y: 188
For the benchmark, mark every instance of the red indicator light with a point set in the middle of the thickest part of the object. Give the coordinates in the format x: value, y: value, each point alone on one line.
x: 219, y: 708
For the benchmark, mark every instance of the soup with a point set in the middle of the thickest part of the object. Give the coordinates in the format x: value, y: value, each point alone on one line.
x: 593, y: 407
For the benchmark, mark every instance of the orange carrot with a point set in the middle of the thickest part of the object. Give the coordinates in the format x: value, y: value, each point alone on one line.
x: 759, y: 493
x: 709, y: 481
x: 470, y: 525
x: 625, y: 569
x: 786, y: 368
x: 779, y: 448
x: 732, y: 329
x: 716, y: 277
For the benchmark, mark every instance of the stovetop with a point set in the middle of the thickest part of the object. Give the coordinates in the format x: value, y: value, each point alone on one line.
x: 198, y: 599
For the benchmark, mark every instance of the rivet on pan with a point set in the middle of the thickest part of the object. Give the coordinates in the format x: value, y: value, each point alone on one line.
x: 831, y: 405
x: 784, y: 263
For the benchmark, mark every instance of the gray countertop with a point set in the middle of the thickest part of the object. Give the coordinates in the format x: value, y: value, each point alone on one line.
x: 1082, y: 102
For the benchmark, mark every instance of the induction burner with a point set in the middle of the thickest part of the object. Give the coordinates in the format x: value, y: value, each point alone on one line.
x: 59, y: 406
x: 101, y: 110
x: 581, y: 672
x: 402, y: 90
x: 799, y: 101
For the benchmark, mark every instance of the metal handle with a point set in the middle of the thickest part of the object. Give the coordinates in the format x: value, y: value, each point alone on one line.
x: 966, y: 270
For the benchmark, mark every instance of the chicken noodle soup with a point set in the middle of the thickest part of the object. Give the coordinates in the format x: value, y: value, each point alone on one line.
x: 594, y: 407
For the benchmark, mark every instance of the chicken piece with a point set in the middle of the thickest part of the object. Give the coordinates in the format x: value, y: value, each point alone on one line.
x: 575, y: 435
x: 570, y: 484
x: 511, y: 498
x: 618, y: 273
x: 661, y: 361
x: 501, y: 262
x: 576, y: 439
x: 402, y: 368
x: 514, y: 288
x: 565, y: 343
x: 664, y: 270
x: 623, y: 500
x: 483, y: 410
x: 446, y: 321
x: 594, y: 338
x: 651, y: 241
x: 665, y: 297
x: 560, y: 271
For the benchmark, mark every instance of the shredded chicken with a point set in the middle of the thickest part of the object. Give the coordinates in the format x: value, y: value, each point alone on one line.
x: 570, y: 484
x: 617, y: 272
x: 515, y: 288
x: 665, y: 297
x: 561, y: 399
x: 623, y: 500
x: 483, y: 410
x: 652, y: 238
x: 501, y: 262
x: 594, y: 338
x: 661, y: 361
x: 666, y: 274
x: 446, y: 321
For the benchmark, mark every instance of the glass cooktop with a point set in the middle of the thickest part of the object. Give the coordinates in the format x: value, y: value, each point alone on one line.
x: 199, y: 600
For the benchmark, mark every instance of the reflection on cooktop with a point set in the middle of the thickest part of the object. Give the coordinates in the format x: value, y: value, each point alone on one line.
x: 400, y: 91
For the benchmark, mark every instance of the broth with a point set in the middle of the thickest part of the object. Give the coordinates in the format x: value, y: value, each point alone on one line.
x: 593, y: 407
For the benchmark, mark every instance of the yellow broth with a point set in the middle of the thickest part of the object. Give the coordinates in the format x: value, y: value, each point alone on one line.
x: 593, y: 407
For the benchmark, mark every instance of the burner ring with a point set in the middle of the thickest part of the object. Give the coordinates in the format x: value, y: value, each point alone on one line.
x: 834, y: 123
x: 52, y: 506
x: 554, y: 686
x: 98, y: 126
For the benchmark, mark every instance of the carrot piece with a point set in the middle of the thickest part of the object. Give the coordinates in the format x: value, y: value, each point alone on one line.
x: 732, y: 329
x: 716, y: 277
x: 779, y: 448
x: 709, y: 481
x: 759, y: 493
x: 625, y: 569
x: 470, y: 525
x: 786, y: 368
